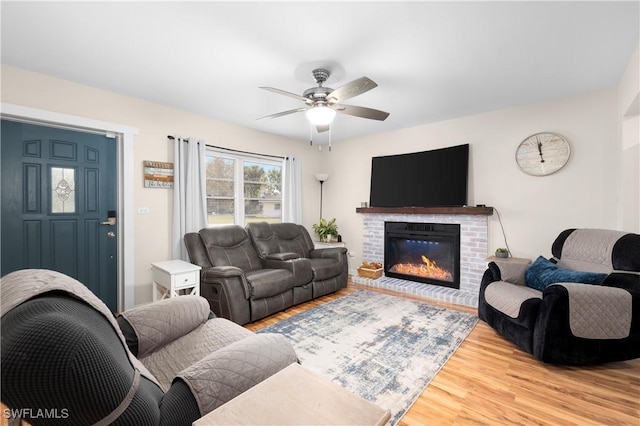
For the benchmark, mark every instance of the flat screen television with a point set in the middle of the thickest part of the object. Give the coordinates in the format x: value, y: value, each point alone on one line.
x: 436, y: 178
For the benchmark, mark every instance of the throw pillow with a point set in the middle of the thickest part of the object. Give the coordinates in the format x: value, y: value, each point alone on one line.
x: 542, y: 273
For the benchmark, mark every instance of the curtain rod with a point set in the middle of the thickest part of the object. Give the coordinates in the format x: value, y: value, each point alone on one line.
x: 240, y: 152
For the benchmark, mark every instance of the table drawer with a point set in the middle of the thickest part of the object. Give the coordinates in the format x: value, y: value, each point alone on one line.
x: 186, y: 279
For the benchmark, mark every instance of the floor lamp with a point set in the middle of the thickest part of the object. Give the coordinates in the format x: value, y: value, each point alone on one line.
x: 321, y: 177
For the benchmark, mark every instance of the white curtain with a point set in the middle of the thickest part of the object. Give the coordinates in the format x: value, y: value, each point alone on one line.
x: 189, y: 195
x: 291, y: 190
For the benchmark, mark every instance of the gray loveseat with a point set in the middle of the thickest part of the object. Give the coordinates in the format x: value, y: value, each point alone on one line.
x: 248, y: 274
x: 165, y: 363
x: 581, y: 307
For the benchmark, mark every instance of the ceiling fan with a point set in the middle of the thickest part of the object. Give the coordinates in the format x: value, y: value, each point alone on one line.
x: 322, y: 103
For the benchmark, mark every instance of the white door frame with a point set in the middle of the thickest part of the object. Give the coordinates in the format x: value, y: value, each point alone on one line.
x: 124, y: 136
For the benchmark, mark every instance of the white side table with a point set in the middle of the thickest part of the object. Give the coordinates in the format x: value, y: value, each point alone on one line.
x: 322, y: 244
x: 508, y: 260
x: 175, y: 277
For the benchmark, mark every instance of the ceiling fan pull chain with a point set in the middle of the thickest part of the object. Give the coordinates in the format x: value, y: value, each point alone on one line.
x: 329, y: 138
x: 310, y: 134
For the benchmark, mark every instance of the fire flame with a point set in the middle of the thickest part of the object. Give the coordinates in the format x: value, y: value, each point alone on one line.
x: 427, y: 269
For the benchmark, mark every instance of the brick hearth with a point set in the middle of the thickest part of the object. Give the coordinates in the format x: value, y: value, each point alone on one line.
x: 473, y: 252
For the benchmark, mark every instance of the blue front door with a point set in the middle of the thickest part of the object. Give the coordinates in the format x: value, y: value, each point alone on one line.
x: 59, y: 204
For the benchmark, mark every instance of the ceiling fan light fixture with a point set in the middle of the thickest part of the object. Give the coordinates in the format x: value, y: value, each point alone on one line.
x: 320, y: 115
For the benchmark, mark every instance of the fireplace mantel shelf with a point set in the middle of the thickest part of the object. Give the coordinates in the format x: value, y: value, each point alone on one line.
x: 485, y: 211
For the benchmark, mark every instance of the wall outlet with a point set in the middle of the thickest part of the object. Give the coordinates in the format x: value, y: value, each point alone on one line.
x: 143, y: 210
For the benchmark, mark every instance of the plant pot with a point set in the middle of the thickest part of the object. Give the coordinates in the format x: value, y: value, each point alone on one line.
x: 502, y: 254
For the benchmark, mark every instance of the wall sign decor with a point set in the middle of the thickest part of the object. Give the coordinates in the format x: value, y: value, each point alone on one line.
x: 158, y: 174
x: 542, y: 154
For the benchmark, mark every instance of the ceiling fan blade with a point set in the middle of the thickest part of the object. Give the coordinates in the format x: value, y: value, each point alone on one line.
x: 351, y: 89
x: 322, y: 128
x: 283, y: 113
x: 284, y: 92
x: 363, y: 112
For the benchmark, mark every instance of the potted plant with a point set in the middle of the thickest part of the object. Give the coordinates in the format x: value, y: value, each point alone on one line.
x: 326, y: 230
x: 502, y: 252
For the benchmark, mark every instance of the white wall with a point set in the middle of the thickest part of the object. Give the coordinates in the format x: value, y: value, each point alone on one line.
x: 154, y: 122
x: 533, y: 209
x: 629, y: 127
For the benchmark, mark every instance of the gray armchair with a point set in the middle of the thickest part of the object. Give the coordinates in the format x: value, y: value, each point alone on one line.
x: 234, y: 279
x: 165, y: 363
x: 581, y: 307
x: 328, y: 266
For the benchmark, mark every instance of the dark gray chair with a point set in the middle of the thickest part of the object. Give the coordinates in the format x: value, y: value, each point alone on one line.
x: 164, y: 363
x: 234, y: 279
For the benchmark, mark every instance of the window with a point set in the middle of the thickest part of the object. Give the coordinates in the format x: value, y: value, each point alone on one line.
x: 243, y: 188
x: 63, y: 192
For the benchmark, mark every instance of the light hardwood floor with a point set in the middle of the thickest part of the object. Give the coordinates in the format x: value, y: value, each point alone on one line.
x: 489, y: 381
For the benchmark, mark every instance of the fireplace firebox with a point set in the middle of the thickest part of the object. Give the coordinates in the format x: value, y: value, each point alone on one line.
x: 423, y: 252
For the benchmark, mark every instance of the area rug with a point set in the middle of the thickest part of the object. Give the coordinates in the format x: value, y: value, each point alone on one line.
x: 384, y: 348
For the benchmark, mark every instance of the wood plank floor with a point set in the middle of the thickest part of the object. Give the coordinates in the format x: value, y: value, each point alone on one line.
x: 489, y: 381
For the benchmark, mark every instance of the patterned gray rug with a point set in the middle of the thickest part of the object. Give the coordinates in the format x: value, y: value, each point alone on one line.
x: 383, y: 348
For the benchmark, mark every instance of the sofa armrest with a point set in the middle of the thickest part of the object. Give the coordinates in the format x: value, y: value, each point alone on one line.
x: 585, y: 324
x: 330, y: 252
x: 283, y: 256
x: 226, y: 276
x: 160, y: 323
x: 221, y: 272
x: 227, y: 290
x: 621, y: 279
x: 299, y: 267
x: 596, y: 312
x: 226, y: 373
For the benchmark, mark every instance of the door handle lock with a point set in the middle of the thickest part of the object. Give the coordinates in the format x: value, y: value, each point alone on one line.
x: 111, y: 234
x: 111, y: 218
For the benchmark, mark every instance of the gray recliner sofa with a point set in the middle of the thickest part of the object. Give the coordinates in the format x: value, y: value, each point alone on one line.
x: 580, y: 307
x: 165, y: 363
x: 248, y: 278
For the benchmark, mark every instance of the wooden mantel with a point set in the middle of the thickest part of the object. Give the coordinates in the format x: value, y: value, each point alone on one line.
x: 486, y: 211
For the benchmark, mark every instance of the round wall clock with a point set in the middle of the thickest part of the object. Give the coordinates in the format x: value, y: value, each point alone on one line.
x: 543, y: 153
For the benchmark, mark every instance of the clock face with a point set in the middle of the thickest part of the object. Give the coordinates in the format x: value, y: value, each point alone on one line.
x: 543, y: 154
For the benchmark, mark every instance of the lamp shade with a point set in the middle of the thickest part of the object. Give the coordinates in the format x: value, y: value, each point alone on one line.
x: 320, y: 115
x: 321, y: 177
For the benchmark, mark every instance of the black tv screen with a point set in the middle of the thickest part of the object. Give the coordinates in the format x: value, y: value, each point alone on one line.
x: 436, y: 178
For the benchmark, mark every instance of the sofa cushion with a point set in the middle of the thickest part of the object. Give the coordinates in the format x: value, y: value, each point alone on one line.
x: 508, y: 298
x: 542, y: 273
x: 230, y: 246
x: 269, y: 282
x: 205, y: 339
x: 293, y: 238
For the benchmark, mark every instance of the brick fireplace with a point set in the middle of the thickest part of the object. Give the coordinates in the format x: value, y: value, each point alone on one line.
x: 473, y: 223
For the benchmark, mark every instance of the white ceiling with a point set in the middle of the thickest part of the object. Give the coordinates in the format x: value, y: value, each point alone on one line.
x: 432, y: 60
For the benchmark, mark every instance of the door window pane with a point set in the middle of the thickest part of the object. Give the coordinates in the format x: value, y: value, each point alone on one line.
x: 63, y: 194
